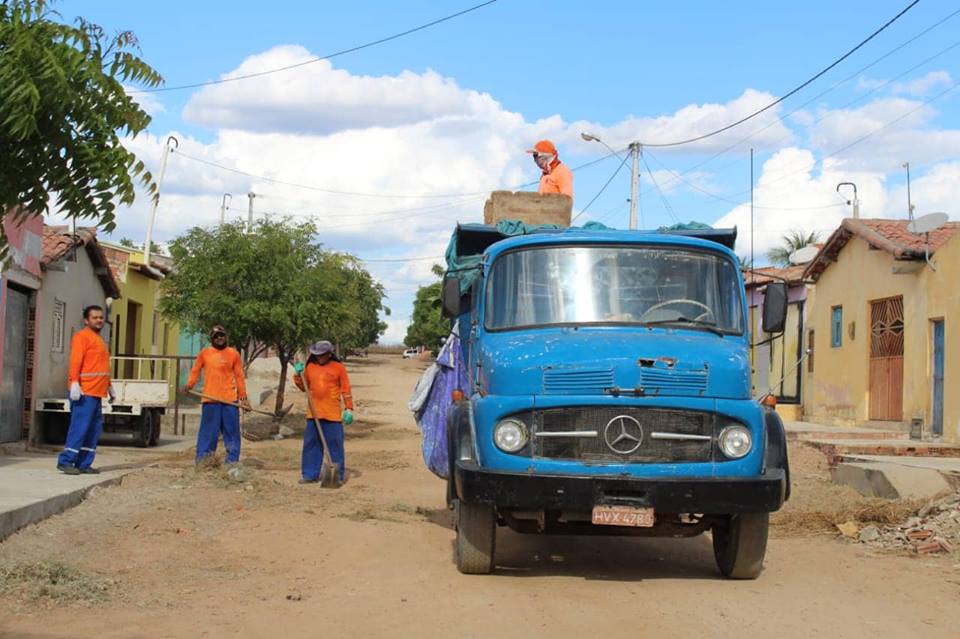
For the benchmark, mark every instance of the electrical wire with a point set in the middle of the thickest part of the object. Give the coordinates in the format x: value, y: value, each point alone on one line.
x: 329, y: 56
x: 663, y: 197
x: 602, y: 189
x: 789, y: 93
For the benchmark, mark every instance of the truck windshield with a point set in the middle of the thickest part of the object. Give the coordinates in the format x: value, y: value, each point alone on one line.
x: 629, y: 285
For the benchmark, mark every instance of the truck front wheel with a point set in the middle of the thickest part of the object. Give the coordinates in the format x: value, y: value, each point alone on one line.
x: 476, y: 537
x: 740, y: 543
x: 143, y: 430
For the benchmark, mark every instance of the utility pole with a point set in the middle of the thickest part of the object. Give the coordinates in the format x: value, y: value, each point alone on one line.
x: 635, y: 152
x: 855, y: 201
x: 250, y: 195
x: 172, y: 143
x: 223, y: 207
x: 906, y: 165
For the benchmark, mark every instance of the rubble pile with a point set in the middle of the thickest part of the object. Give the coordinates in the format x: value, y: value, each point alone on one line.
x: 934, y: 529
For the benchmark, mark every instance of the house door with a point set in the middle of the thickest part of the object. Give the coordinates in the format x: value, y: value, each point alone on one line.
x: 131, y: 335
x: 14, y: 365
x: 886, y: 359
x: 938, y: 336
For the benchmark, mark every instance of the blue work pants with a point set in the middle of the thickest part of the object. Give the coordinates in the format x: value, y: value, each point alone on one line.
x: 312, y: 457
x: 86, y: 424
x: 219, y: 419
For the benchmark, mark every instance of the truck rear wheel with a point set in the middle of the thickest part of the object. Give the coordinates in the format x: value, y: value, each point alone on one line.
x: 476, y: 537
x: 155, y: 431
x: 144, y: 430
x: 740, y: 543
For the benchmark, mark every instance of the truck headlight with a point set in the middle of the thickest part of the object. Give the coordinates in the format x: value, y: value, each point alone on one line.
x: 735, y: 441
x: 510, y: 435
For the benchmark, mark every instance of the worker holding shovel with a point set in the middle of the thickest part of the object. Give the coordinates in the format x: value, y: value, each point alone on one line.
x: 223, y: 388
x: 325, y: 381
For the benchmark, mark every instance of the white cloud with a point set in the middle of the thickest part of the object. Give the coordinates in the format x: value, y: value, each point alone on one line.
x: 922, y: 86
x: 149, y: 102
x: 935, y: 191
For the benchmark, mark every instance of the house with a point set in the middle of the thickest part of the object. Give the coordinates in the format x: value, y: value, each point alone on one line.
x: 776, y: 359
x: 20, y: 282
x: 138, y: 328
x: 882, y: 327
x: 76, y: 274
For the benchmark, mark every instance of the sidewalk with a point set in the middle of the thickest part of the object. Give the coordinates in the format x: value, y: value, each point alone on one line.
x: 32, y: 489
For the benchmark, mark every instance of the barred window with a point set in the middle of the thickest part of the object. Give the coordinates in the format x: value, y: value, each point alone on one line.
x: 59, y: 325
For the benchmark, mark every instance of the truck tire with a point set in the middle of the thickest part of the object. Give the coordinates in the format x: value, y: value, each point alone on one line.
x: 740, y: 544
x: 143, y: 430
x: 55, y: 427
x: 155, y: 431
x: 476, y: 537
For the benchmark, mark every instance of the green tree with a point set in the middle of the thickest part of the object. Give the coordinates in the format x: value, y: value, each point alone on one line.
x: 272, y: 288
x: 428, y: 327
x: 63, y: 113
x: 791, y: 242
x: 155, y: 249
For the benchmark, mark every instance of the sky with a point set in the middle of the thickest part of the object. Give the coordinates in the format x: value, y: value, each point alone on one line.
x: 387, y: 148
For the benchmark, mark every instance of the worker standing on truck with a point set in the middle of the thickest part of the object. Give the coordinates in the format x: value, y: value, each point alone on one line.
x: 556, y: 177
x: 89, y: 381
x: 223, y: 386
x: 328, y: 382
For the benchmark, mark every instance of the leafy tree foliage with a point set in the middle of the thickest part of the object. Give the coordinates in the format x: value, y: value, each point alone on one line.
x: 428, y: 327
x: 273, y: 288
x: 791, y: 242
x: 63, y: 113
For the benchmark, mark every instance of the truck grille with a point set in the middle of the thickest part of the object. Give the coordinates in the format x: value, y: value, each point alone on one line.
x: 623, y: 435
x: 673, y: 382
x: 577, y: 381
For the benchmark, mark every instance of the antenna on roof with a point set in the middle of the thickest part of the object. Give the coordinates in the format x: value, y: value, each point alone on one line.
x: 855, y: 202
x: 804, y: 255
x: 924, y: 225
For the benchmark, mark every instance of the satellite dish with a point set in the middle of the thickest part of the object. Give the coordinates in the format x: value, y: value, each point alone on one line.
x: 927, y: 223
x: 804, y: 255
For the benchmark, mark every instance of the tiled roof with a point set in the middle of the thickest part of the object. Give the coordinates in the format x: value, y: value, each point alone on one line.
x: 763, y: 276
x: 891, y: 236
x: 58, y: 241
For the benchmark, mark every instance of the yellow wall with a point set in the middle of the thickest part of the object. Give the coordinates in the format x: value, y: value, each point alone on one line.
x: 837, y: 391
x: 145, y: 291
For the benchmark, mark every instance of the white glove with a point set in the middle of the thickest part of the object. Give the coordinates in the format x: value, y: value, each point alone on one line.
x: 75, y: 392
x: 112, y: 394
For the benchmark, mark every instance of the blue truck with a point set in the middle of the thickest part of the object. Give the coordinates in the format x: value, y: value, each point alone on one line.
x: 609, y: 391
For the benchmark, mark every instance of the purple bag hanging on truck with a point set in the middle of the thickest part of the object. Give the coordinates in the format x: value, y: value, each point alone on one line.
x: 432, y: 399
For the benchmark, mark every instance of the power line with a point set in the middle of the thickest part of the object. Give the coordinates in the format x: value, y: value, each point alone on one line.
x: 329, y: 56
x: 821, y: 118
x: 789, y: 93
x: 663, y: 197
x: 602, y: 189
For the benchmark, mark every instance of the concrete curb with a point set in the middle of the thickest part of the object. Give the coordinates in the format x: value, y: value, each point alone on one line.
x: 19, y: 517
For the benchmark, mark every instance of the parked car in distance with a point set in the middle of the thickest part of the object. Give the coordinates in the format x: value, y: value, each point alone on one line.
x: 410, y: 352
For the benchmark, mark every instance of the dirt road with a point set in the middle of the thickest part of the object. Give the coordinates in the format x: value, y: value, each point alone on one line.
x: 173, y: 552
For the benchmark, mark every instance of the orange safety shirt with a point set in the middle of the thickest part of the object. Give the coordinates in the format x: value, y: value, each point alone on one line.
x: 327, y: 384
x: 89, y: 363
x: 559, y: 179
x: 222, y: 374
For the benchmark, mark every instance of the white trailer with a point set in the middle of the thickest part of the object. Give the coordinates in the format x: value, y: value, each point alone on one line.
x: 141, y: 399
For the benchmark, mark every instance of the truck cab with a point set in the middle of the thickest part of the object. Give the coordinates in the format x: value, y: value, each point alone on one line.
x: 609, y: 392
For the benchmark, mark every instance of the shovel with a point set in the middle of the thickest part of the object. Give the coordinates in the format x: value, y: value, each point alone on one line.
x: 277, y: 417
x: 329, y: 471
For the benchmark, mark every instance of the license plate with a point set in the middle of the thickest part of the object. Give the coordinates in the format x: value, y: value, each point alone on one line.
x: 623, y: 516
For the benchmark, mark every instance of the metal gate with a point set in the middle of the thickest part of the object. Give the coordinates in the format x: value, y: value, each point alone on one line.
x: 14, y: 365
x: 938, y: 337
x: 886, y: 359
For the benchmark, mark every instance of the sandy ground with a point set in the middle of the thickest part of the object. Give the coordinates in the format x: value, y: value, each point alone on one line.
x: 174, y: 552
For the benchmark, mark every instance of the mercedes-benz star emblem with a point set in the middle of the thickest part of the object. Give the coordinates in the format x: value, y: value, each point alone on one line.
x: 623, y: 434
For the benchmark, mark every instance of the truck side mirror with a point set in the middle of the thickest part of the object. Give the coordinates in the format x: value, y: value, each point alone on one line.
x: 450, y: 296
x: 774, y: 314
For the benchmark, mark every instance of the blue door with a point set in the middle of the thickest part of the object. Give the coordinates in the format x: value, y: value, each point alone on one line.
x: 937, y: 425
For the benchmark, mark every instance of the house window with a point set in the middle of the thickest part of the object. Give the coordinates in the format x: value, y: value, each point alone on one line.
x: 810, y: 351
x: 836, y: 326
x: 59, y: 325
x: 156, y: 326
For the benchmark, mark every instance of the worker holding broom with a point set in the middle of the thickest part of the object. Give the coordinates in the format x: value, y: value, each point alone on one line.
x: 223, y: 388
x: 328, y: 383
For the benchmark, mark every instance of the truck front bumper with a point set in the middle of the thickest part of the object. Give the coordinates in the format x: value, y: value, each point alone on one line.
x: 712, y: 495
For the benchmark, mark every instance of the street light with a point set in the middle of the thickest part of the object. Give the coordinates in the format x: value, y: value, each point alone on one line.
x: 635, y: 150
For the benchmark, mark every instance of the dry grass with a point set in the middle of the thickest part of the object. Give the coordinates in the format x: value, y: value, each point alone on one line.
x: 55, y: 581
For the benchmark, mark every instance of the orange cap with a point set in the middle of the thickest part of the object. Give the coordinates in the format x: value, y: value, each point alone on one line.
x: 543, y: 146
